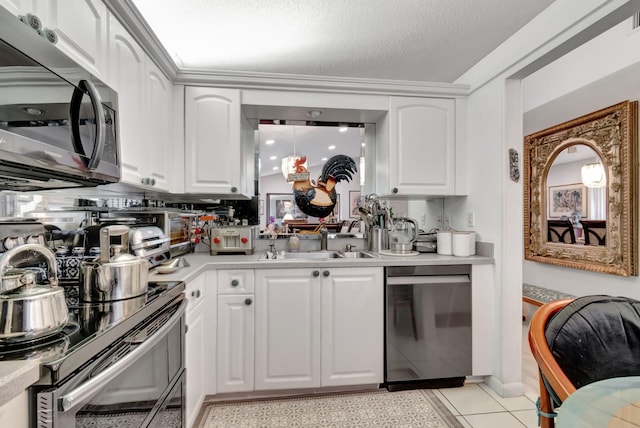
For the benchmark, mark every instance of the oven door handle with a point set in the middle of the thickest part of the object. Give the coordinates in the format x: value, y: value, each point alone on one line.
x: 88, y: 389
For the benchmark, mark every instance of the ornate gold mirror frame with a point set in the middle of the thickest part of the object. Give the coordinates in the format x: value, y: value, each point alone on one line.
x: 613, y: 134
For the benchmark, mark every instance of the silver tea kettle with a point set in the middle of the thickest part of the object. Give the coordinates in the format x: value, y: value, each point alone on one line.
x: 114, y: 275
x: 31, y: 302
x: 404, y: 233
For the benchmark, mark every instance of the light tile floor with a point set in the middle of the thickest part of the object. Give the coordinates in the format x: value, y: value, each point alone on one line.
x: 478, y: 406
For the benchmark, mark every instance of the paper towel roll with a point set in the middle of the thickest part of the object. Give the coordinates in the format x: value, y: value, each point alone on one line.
x: 444, y: 243
x: 461, y: 244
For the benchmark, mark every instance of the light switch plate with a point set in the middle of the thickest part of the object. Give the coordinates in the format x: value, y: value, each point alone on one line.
x: 471, y: 219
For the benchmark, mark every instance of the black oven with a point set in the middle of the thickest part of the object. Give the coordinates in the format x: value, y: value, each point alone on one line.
x: 115, y: 364
x: 138, y: 382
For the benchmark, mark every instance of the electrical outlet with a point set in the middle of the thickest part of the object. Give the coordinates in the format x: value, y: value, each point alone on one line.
x: 471, y: 219
x: 447, y: 221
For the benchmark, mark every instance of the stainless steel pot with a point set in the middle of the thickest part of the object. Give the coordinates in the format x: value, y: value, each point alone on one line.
x: 113, y: 276
x: 30, y: 309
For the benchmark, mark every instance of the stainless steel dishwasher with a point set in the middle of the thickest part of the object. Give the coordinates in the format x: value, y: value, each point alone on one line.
x: 428, y: 326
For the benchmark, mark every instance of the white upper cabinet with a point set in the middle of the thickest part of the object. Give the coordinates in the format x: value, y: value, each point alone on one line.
x: 157, y: 144
x: 145, y: 111
x: 127, y: 76
x: 422, y: 147
x: 81, y: 27
x: 215, y: 157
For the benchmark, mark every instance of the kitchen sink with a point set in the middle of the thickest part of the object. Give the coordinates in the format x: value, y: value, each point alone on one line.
x: 356, y: 255
x: 319, y: 255
x: 305, y: 255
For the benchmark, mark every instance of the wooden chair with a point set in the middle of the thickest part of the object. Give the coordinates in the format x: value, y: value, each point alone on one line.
x: 549, y: 369
x: 595, y: 232
x: 579, y: 341
x: 560, y: 231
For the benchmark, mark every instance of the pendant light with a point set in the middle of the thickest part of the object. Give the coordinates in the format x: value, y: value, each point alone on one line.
x: 288, y: 166
x: 593, y: 175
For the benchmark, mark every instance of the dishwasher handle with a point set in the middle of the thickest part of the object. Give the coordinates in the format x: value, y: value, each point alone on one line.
x: 430, y: 279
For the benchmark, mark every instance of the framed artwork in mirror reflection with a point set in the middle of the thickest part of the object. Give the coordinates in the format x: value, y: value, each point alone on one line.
x: 568, y: 201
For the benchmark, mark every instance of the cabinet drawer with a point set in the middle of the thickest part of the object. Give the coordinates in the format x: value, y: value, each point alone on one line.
x: 235, y: 281
x: 195, y: 292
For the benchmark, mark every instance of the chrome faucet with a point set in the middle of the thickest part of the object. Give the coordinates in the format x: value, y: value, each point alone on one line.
x: 323, y: 238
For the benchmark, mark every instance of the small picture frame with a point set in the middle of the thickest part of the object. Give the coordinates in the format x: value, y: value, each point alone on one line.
x: 354, y: 203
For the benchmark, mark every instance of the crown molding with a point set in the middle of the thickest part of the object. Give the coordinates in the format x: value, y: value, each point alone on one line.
x: 132, y: 20
x: 281, y: 81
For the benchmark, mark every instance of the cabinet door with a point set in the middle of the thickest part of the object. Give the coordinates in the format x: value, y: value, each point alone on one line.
x: 15, y: 412
x: 352, y: 326
x: 22, y: 7
x: 196, y: 365
x: 422, y: 146
x: 159, y: 115
x: 81, y: 27
x: 235, y: 343
x: 213, y: 149
x: 127, y: 75
x: 287, y: 329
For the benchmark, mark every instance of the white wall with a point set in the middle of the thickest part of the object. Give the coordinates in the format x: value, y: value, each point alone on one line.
x: 495, y: 124
x: 602, y: 73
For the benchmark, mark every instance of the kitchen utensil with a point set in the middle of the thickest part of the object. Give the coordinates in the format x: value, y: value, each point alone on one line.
x: 378, y: 239
x: 31, y: 303
x: 403, y: 234
x: 113, y: 276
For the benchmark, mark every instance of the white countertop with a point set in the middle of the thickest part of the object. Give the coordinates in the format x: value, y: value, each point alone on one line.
x: 15, y: 377
x: 200, y: 262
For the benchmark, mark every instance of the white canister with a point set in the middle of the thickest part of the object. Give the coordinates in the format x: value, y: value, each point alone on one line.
x: 460, y: 243
x: 444, y: 243
x: 472, y: 243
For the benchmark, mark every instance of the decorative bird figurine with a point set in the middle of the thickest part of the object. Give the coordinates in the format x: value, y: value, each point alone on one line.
x: 319, y: 200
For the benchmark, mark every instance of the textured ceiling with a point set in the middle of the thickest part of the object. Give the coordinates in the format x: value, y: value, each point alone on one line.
x: 419, y: 40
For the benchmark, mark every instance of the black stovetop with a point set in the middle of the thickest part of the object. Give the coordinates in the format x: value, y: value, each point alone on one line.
x: 92, y: 327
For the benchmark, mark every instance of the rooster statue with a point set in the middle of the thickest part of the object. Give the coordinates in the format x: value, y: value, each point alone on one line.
x: 319, y: 200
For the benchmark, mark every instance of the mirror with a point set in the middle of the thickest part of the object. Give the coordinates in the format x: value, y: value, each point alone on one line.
x: 573, y: 224
x: 318, y: 141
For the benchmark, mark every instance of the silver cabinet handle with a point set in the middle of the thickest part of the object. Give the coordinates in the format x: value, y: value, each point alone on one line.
x: 195, y: 293
x: 87, y: 389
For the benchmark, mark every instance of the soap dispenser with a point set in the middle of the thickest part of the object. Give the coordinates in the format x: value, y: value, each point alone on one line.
x: 294, y: 242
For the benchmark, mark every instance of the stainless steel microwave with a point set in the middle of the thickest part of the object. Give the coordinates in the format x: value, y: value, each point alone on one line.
x: 58, y: 122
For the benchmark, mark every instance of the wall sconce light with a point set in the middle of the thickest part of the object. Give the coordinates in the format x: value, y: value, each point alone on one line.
x: 593, y: 175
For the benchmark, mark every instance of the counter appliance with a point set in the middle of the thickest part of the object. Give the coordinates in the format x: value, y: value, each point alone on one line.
x: 58, y: 122
x: 232, y: 239
x: 176, y: 225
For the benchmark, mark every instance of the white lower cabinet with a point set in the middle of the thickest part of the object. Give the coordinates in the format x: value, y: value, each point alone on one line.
x: 15, y: 412
x: 352, y: 326
x: 318, y: 327
x: 200, y: 335
x: 287, y: 328
x: 235, y: 329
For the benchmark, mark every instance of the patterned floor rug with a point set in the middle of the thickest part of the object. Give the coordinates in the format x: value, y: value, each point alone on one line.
x: 415, y: 408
